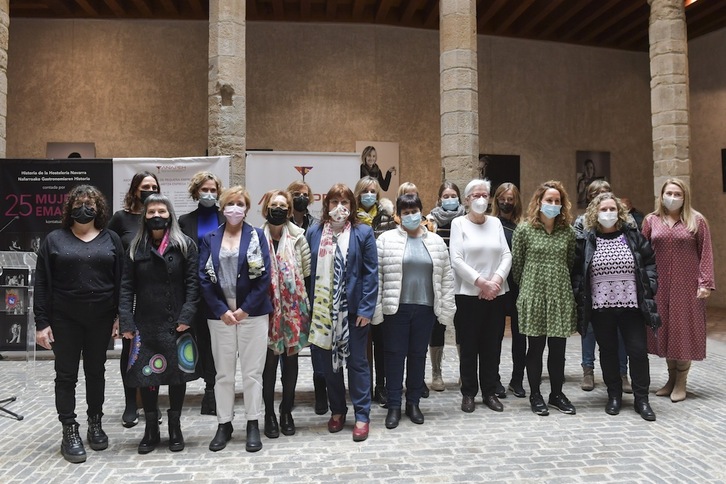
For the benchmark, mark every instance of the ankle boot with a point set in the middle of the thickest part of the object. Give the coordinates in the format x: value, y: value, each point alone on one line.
x: 72, y: 446
x: 668, y: 387
x: 223, y: 435
x: 97, y: 438
x: 321, y: 395
x: 176, y: 439
x: 437, y: 353
x: 253, y: 437
x: 130, y: 416
x: 588, y: 379
x: 679, y: 389
x: 209, y: 404
x: 151, y: 433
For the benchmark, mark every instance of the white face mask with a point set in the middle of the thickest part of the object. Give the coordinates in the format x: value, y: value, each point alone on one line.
x: 338, y: 216
x: 479, y: 205
x: 672, y: 203
x: 607, y: 219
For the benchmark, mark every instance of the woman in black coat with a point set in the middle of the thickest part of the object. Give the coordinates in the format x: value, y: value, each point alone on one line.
x: 159, y: 296
x: 615, y: 280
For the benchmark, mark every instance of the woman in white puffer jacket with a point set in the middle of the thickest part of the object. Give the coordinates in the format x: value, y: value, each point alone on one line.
x: 416, y: 286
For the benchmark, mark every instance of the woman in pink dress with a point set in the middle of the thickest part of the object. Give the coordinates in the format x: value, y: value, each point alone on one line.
x: 682, y: 244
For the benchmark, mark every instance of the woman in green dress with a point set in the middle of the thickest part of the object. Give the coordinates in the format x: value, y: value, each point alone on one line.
x: 543, y: 251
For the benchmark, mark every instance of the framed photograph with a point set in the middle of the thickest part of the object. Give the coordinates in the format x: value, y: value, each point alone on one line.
x: 590, y: 166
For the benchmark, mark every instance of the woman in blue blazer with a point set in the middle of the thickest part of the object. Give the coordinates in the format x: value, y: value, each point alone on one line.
x: 234, y: 273
x: 343, y: 292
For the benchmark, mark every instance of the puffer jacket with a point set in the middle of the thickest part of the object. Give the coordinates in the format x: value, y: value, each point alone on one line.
x: 646, y: 277
x: 297, y: 239
x: 391, y: 245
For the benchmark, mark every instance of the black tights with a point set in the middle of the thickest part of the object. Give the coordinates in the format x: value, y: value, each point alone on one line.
x: 289, y: 381
x: 150, y: 397
x: 555, y: 362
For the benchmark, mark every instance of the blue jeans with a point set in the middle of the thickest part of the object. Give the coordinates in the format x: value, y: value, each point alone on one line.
x: 359, y: 375
x: 588, y: 351
x: 406, y: 336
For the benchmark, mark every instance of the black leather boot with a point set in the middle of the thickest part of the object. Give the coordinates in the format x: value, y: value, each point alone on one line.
x: 321, y: 395
x: 253, y: 437
x: 151, y: 433
x: 97, y: 438
x: 209, y: 404
x: 223, y: 435
x: 176, y: 439
x: 72, y: 445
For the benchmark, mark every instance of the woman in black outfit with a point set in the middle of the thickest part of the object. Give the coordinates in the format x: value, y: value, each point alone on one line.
x: 369, y: 167
x: 204, y: 188
x: 126, y: 224
x: 614, y: 279
x: 77, y: 279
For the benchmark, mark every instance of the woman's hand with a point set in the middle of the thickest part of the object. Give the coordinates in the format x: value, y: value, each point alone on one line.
x: 703, y: 292
x: 128, y: 335
x: 487, y: 289
x: 181, y: 327
x: 45, y: 338
x: 114, y: 329
x: 361, y: 321
x: 240, y: 315
x: 228, y: 318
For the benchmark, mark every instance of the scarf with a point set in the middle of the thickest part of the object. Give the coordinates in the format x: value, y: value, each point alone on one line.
x: 290, y: 319
x: 329, y: 327
x: 164, y: 243
x: 444, y: 217
x: 367, y: 217
x: 254, y: 256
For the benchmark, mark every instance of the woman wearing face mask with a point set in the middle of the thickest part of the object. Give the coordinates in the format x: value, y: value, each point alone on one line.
x: 417, y: 286
x: 481, y: 260
x: 614, y: 281
x: 681, y: 241
x: 440, y: 218
x: 290, y: 319
x: 543, y: 251
x: 159, y: 297
x: 369, y: 167
x: 508, y: 208
x: 77, y: 280
x: 126, y: 223
x: 302, y: 197
x: 234, y: 272
x: 343, y: 291
x: 204, y: 188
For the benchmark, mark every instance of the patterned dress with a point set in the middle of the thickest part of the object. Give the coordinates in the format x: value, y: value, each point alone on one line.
x: 541, y: 265
x: 685, y: 263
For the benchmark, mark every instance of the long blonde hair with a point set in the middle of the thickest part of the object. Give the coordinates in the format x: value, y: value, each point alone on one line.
x: 689, y: 215
x: 517, y: 211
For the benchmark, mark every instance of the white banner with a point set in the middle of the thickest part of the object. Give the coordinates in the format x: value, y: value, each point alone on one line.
x: 174, y: 175
x: 269, y: 170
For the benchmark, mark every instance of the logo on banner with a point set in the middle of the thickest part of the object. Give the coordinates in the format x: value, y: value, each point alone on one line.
x: 304, y: 170
x: 160, y: 168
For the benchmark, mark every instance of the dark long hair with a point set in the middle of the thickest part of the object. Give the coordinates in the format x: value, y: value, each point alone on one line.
x: 93, y: 194
x: 130, y: 200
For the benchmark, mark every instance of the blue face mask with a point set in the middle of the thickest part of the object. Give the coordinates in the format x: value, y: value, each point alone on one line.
x: 368, y: 199
x: 411, y: 221
x: 550, y: 211
x: 450, y: 204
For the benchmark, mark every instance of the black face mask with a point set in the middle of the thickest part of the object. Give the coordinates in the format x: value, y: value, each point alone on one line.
x: 145, y: 194
x: 300, y: 203
x: 276, y: 215
x: 157, y: 223
x: 83, y: 214
x: 505, y: 207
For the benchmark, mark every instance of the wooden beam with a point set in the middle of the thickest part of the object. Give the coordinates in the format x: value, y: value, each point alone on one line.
x: 116, y: 8
x: 169, y: 7
x: 358, y: 7
x: 715, y: 22
x: 411, y: 8
x: 521, y: 8
x: 549, y: 7
x: 615, y: 19
x: 431, y: 15
x: 87, y: 7
x: 331, y: 8
x: 625, y: 29
x: 566, y: 15
x: 59, y: 7
x: 489, y: 13
x: 142, y: 7
x: 592, y: 19
x: 382, y: 11
x: 304, y: 9
x: 278, y: 10
x: 196, y: 7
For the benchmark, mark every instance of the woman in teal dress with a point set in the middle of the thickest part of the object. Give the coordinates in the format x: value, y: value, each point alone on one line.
x: 543, y: 251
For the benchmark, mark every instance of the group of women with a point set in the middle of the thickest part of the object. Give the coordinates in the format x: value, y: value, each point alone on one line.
x: 194, y: 295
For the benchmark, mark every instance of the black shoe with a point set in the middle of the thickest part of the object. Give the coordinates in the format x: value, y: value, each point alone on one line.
x: 380, y: 395
x: 272, y: 430
x: 97, y: 438
x: 425, y: 392
x: 467, y: 404
x: 493, y: 402
x: 537, y: 403
x: 517, y: 389
x: 176, y: 438
x: 500, y: 392
x: 393, y: 417
x: 287, y: 424
x: 561, y: 403
x: 209, y: 403
x: 151, y: 434
x: 72, y: 446
x: 223, y: 435
x: 414, y: 413
x: 321, y: 395
x: 613, y: 406
x: 643, y: 408
x: 130, y: 416
x: 253, y: 437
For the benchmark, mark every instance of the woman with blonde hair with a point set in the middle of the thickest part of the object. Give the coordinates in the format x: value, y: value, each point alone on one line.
x: 681, y: 241
x: 543, y: 250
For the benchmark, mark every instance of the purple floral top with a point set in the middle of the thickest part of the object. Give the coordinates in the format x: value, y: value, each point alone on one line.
x: 612, y: 274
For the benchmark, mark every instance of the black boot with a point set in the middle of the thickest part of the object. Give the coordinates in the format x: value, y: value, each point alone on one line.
x: 209, y: 404
x: 321, y: 395
x: 176, y: 439
x: 287, y: 424
x: 253, y: 437
x: 130, y: 416
x: 151, y: 433
x: 272, y: 429
x: 72, y: 445
x: 97, y: 438
x: 223, y: 435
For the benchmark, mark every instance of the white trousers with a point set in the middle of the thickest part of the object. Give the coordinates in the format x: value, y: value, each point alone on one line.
x: 249, y: 340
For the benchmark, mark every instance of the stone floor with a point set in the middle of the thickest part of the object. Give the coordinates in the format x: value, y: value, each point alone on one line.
x: 686, y: 444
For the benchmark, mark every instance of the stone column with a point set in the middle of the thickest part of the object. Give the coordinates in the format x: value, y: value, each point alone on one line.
x: 669, y: 91
x: 226, y: 88
x: 459, y: 90
x: 4, y: 35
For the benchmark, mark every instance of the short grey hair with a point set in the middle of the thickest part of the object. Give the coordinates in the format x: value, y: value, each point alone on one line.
x: 477, y: 182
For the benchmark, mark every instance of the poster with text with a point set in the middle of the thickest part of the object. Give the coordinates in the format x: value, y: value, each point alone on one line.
x: 590, y: 166
x: 386, y: 157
